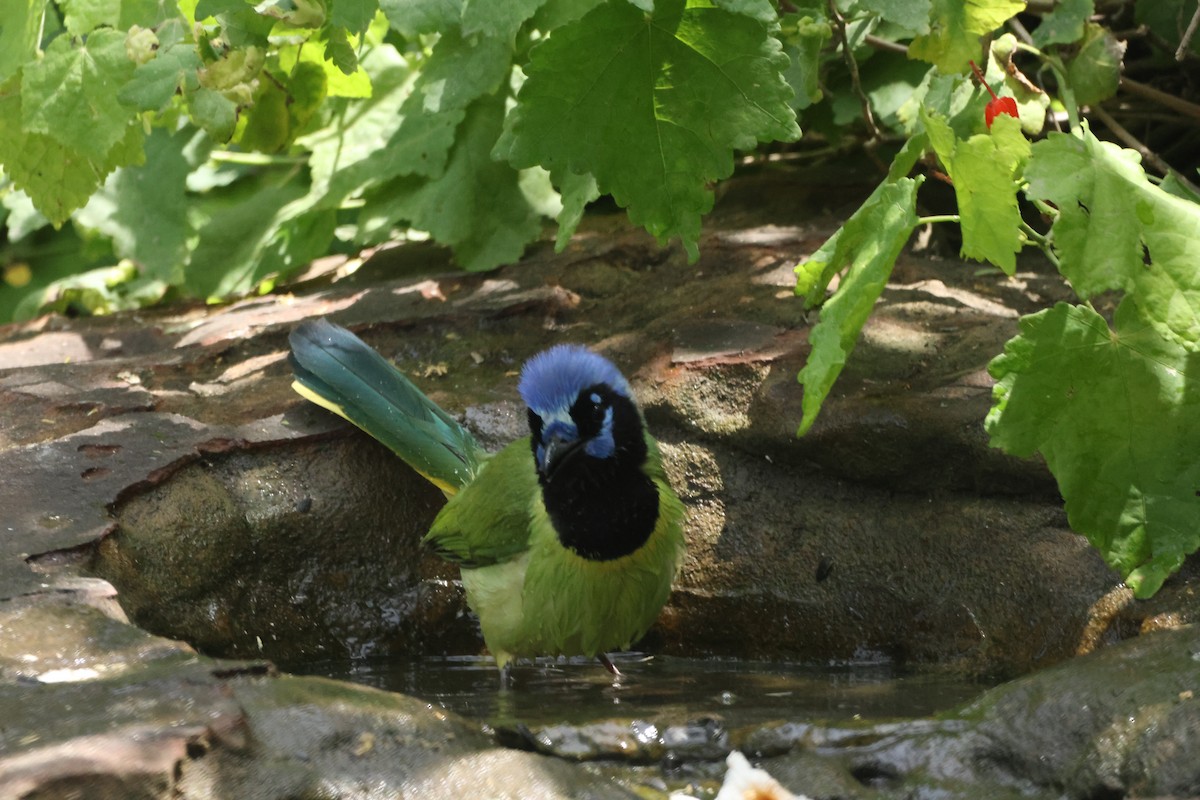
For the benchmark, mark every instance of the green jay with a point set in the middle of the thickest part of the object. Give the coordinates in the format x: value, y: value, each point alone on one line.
x: 567, y: 540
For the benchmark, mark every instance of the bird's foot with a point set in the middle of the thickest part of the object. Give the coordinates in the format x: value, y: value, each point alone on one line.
x: 610, y: 666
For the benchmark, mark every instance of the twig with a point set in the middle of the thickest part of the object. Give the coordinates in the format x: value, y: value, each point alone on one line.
x: 852, y: 66
x: 885, y: 44
x: 1020, y: 31
x: 1148, y: 155
x: 1161, y: 97
x: 1181, y: 51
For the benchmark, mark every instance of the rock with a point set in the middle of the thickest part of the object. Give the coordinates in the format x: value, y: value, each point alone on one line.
x: 165, y: 453
x: 1120, y: 722
x: 224, y: 508
x: 94, y: 707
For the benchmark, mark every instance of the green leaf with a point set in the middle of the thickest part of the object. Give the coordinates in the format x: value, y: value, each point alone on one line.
x: 984, y: 169
x: 1064, y: 24
x: 411, y: 18
x: 955, y: 28
x: 339, y: 51
x: 869, y: 244
x: 805, y: 51
x: 71, y: 95
x: 20, y: 22
x: 912, y: 15
x: 498, y: 20
x: 267, y: 123
x: 155, y: 83
x: 1095, y: 70
x: 57, y: 179
x: 576, y: 191
x: 1114, y: 414
x: 253, y: 237
x: 336, y: 83
x: 652, y: 107
x: 476, y: 206
x: 144, y: 209
x: 84, y: 16
x: 1107, y: 212
x: 409, y: 128
x: 761, y: 10
x: 214, y: 112
x: 353, y: 15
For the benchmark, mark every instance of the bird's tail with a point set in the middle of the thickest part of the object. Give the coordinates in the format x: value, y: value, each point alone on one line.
x: 338, y: 371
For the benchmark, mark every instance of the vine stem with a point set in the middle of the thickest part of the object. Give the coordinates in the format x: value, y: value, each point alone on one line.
x: 1042, y: 243
x: 852, y: 67
x: 255, y: 159
x: 938, y: 218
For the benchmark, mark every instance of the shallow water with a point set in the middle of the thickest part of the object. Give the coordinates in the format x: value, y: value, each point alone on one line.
x: 579, y: 691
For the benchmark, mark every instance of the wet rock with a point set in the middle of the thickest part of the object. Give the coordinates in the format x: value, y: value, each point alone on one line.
x: 93, y: 707
x: 1122, y: 722
x: 290, y: 557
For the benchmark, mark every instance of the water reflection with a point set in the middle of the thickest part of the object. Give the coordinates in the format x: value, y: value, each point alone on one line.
x: 579, y: 691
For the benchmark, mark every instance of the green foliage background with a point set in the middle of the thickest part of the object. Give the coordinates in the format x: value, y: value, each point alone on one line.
x: 207, y: 149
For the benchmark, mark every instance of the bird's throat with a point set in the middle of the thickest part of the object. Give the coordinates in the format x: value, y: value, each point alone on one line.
x: 604, y: 516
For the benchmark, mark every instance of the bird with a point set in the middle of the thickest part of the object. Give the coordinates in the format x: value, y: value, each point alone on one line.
x: 567, y: 540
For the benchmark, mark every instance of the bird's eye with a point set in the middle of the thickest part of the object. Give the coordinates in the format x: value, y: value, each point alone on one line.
x: 589, y: 410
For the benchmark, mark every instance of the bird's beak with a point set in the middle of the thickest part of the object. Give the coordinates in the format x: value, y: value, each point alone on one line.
x: 558, y: 450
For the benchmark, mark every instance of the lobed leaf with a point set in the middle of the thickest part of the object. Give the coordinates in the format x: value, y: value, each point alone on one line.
x: 1095, y: 70
x: 475, y: 206
x: 869, y: 244
x: 1063, y: 25
x: 72, y: 94
x: 57, y: 179
x: 652, y: 106
x: 912, y: 15
x: 1107, y: 213
x: 955, y: 29
x: 1113, y: 411
x: 984, y: 169
x: 20, y: 24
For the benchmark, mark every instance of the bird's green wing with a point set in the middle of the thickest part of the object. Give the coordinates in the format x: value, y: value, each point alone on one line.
x: 488, y: 521
x: 338, y: 371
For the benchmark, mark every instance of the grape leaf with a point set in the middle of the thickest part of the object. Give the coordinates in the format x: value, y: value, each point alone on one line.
x: 498, y: 20
x: 984, y: 170
x: 84, y: 16
x: 57, y: 179
x: 556, y: 13
x: 411, y: 18
x: 912, y: 15
x: 761, y: 10
x: 353, y: 15
x: 1108, y: 211
x: 155, y: 83
x: 1113, y: 411
x: 214, y: 112
x: 955, y: 28
x: 652, y: 107
x: 1095, y: 70
x: 805, y: 48
x: 144, y: 210
x: 253, y: 237
x: 20, y: 22
x: 475, y: 206
x: 71, y: 95
x: 336, y: 83
x: 267, y: 125
x: 1064, y: 24
x: 417, y: 120
x: 869, y: 244
x: 576, y: 191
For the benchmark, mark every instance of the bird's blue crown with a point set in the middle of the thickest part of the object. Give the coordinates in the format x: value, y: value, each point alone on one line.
x: 551, y: 380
